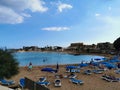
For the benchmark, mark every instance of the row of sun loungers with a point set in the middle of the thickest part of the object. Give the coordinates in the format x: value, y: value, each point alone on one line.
x: 89, y: 72
x: 57, y: 81
x: 42, y: 81
x: 73, y: 70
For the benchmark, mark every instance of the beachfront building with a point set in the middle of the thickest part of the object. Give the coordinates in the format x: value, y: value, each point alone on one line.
x: 31, y: 48
x: 105, y: 47
x: 75, y: 48
x: 57, y: 48
x: 82, y: 48
x: 52, y: 48
x: 91, y: 49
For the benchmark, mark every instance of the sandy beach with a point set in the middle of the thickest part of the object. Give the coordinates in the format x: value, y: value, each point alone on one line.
x: 91, y: 82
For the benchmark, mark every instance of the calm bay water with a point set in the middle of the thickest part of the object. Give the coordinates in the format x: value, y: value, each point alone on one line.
x: 51, y: 58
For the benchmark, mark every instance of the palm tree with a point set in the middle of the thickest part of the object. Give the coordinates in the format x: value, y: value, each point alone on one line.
x: 8, y: 65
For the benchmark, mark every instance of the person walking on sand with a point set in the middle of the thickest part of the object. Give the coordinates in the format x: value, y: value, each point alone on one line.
x: 30, y: 66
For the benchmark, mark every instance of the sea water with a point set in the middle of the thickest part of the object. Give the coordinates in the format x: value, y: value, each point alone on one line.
x: 51, y: 58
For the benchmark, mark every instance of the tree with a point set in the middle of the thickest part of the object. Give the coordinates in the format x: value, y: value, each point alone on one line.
x: 8, y: 64
x: 117, y: 44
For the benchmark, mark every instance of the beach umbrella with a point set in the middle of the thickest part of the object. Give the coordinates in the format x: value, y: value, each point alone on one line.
x: 108, y: 65
x: 114, y: 61
x: 83, y: 64
x: 48, y: 70
x: 97, y: 59
x: 71, y: 67
x: 95, y: 64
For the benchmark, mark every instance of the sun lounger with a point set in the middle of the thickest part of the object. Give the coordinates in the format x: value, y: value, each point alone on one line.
x: 73, y: 70
x: 22, y: 82
x: 57, y: 83
x: 42, y: 79
x: 7, y: 82
x: 110, y: 78
x: 72, y: 75
x: 76, y: 81
x: 45, y: 83
x: 117, y: 71
x: 97, y: 71
x: 77, y: 70
x: 59, y: 76
x: 88, y: 72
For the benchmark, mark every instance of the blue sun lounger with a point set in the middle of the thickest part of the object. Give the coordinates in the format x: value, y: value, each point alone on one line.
x: 45, y: 83
x: 76, y: 81
x: 110, y: 78
x: 22, y: 82
x: 88, y: 72
x: 72, y: 75
x: 117, y: 71
x: 7, y: 82
x: 42, y: 79
x: 98, y: 71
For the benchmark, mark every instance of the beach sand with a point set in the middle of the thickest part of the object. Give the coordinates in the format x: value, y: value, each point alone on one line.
x: 91, y: 82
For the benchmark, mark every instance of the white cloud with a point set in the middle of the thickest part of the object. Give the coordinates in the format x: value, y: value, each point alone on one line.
x: 36, y: 5
x: 13, y: 11
x: 97, y: 14
x: 63, y: 6
x: 56, y: 28
x: 7, y: 15
x: 26, y: 15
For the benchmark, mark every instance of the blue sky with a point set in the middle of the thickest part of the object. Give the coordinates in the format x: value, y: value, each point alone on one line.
x: 58, y: 22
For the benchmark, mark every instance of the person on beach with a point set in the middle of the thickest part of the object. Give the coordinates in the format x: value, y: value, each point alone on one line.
x: 30, y: 66
x: 91, y: 63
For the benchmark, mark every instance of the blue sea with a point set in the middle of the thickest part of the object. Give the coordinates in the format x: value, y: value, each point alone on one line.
x: 51, y: 58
